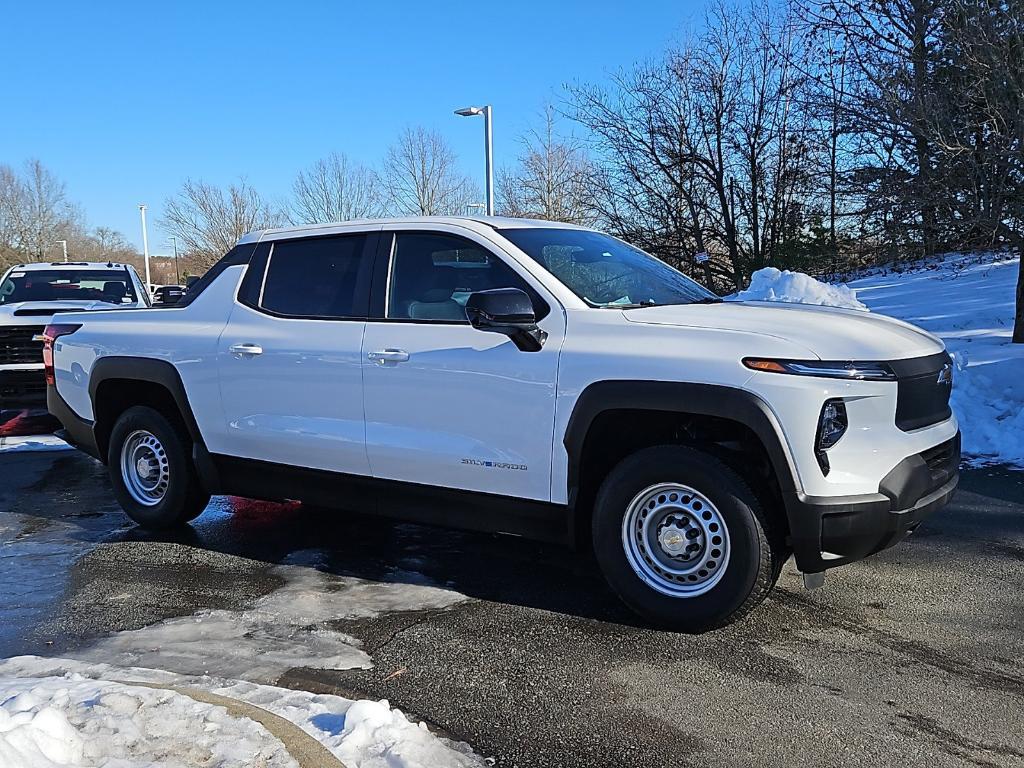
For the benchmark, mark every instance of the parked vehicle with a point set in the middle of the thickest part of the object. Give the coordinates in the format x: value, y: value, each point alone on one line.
x: 168, y: 294
x: 30, y: 295
x: 522, y: 377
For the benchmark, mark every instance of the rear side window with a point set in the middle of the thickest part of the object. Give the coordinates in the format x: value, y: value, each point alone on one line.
x: 319, y: 278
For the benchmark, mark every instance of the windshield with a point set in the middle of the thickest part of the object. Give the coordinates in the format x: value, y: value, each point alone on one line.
x: 606, y: 272
x: 113, y: 286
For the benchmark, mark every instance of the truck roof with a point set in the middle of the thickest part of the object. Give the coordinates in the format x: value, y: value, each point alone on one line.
x: 470, y: 222
x: 41, y: 266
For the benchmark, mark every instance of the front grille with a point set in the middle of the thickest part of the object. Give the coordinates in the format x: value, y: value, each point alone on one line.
x: 16, y: 345
x: 22, y: 388
x: 923, y: 391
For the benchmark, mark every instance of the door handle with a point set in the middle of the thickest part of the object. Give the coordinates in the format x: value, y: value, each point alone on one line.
x: 243, y: 350
x: 383, y: 356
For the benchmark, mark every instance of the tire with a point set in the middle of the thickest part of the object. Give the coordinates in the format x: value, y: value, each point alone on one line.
x: 645, y: 515
x: 169, y: 493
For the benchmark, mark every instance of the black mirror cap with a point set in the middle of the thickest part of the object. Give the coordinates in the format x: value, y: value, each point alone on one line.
x: 508, y: 311
x: 503, y: 306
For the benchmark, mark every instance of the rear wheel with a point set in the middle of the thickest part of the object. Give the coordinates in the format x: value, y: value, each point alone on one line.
x: 683, y: 540
x: 151, y: 471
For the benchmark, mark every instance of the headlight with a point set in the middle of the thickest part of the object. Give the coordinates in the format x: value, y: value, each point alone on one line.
x: 832, y: 424
x: 829, y: 369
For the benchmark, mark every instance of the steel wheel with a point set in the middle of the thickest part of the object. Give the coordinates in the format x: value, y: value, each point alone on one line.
x: 145, y: 468
x: 675, y: 540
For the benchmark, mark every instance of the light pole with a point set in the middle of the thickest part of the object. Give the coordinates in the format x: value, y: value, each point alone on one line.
x: 177, y: 275
x: 145, y: 244
x: 488, y: 150
x: 64, y: 245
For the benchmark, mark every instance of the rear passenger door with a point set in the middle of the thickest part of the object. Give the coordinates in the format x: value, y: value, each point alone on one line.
x: 446, y: 404
x: 289, y: 357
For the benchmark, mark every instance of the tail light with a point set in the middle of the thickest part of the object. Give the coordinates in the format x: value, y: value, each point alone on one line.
x: 53, y: 332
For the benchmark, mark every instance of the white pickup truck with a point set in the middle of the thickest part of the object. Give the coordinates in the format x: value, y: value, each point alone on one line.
x: 523, y: 377
x: 31, y: 294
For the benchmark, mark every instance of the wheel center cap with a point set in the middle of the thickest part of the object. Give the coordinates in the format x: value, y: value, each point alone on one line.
x: 673, y: 540
x: 144, y: 469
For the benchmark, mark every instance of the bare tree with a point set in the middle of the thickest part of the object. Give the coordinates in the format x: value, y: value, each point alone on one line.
x: 422, y: 177
x: 554, y: 179
x: 335, y: 189
x: 706, y: 150
x: 208, y: 220
x: 34, y: 212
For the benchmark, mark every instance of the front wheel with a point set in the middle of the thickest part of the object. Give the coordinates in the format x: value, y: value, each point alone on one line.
x: 151, y: 470
x: 683, y: 540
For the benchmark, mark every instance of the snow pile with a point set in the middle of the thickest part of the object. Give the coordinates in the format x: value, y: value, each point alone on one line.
x: 72, y: 721
x: 771, y: 284
x: 362, y: 734
x: 968, y: 302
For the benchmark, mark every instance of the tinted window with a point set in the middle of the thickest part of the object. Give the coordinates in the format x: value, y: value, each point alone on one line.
x: 606, y: 272
x: 113, y: 286
x: 432, y: 276
x: 314, y: 278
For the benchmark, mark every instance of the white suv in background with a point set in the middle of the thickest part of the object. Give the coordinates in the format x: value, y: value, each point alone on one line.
x: 523, y: 377
x: 31, y: 294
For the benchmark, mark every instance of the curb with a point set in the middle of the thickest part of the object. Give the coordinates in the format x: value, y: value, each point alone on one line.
x: 304, y: 749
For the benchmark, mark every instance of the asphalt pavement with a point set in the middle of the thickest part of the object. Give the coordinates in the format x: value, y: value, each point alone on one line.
x: 913, y: 657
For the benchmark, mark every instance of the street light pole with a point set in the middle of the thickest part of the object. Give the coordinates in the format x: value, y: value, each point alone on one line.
x: 64, y: 245
x: 488, y: 149
x: 145, y: 244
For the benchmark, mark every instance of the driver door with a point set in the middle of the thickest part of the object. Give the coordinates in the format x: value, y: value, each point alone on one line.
x: 446, y: 404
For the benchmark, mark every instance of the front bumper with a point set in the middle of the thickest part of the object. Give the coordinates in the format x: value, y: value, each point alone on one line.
x: 828, y: 532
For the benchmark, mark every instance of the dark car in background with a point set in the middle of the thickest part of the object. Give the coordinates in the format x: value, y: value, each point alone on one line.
x: 168, y: 294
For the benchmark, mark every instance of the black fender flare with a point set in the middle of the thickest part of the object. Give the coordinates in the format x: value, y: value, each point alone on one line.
x: 164, y: 374
x: 724, y: 402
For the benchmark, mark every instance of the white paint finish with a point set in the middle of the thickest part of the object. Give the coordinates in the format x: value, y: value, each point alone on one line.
x: 297, y: 402
x: 462, y: 394
x: 829, y: 333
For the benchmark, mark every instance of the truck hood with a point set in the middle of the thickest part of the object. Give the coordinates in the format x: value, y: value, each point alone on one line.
x: 830, y: 333
x: 37, y: 312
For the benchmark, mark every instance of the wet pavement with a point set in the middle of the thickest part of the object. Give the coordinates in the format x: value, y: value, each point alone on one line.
x: 914, y: 657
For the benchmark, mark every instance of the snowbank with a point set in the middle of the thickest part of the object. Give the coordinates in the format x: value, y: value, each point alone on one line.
x: 72, y: 721
x: 771, y: 284
x: 968, y: 302
x: 92, y: 718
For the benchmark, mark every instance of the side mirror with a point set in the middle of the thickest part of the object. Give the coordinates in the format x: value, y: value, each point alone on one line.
x: 508, y: 311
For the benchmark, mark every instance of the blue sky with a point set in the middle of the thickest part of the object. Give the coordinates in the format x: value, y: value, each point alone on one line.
x: 125, y: 100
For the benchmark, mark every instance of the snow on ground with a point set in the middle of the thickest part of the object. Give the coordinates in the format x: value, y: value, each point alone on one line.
x: 33, y: 443
x: 72, y: 721
x: 290, y: 627
x: 771, y: 284
x: 968, y: 302
x: 362, y: 734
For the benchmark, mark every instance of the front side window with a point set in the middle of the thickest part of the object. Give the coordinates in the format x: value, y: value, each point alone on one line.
x: 316, y: 278
x: 432, y: 276
x: 606, y: 272
x: 112, y: 286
